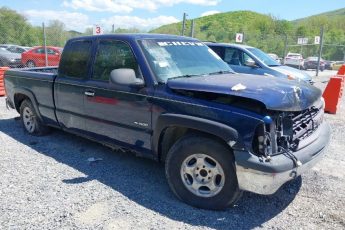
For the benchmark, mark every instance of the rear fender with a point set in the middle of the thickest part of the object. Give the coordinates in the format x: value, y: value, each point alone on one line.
x: 31, y: 96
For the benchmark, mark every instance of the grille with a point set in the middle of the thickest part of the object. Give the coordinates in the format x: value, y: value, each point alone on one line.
x: 306, y: 122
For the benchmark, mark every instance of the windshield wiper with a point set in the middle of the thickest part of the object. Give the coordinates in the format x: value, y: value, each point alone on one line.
x: 186, y: 76
x: 221, y: 72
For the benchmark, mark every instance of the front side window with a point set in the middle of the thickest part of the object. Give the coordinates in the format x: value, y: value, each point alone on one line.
x: 232, y: 56
x: 112, y: 55
x: 75, y: 59
x: 174, y: 58
x: 262, y: 56
x: 236, y: 57
x: 51, y: 51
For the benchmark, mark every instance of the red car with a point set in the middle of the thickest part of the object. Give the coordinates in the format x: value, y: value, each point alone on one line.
x: 36, y: 56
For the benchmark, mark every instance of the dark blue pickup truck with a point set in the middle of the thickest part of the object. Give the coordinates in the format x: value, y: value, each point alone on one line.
x: 173, y: 99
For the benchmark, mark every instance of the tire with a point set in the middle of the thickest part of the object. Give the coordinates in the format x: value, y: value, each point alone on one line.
x: 206, y: 164
x: 30, y: 64
x: 31, y: 122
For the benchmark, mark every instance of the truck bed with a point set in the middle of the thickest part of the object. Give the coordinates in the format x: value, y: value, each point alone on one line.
x: 37, y: 82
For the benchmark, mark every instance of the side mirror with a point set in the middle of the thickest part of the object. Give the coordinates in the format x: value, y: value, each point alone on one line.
x: 250, y: 63
x: 125, y: 77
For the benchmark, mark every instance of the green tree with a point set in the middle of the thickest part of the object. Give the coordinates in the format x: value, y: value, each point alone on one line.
x: 56, y: 33
x: 15, y: 29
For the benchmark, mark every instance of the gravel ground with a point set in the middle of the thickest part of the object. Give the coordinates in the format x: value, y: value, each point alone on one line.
x: 47, y: 183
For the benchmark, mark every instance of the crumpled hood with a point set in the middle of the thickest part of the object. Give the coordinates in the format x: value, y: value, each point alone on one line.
x: 275, y: 93
x: 287, y: 70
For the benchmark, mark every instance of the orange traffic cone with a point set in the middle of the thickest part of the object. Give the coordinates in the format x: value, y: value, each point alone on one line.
x: 333, y: 93
x: 2, y: 81
x: 341, y: 71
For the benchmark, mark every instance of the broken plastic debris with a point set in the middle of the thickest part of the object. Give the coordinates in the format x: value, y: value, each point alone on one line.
x: 238, y: 87
x: 92, y: 159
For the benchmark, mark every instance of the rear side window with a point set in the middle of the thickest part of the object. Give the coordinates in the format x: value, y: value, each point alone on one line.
x: 39, y: 51
x: 75, y: 59
x: 112, y: 54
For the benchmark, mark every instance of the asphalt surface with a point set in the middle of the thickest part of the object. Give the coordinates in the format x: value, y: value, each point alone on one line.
x: 48, y: 183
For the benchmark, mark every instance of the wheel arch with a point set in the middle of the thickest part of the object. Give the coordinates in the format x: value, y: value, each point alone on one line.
x: 170, y: 127
x: 20, y: 95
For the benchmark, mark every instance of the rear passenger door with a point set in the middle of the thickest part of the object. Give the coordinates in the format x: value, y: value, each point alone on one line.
x: 70, y: 85
x: 116, y: 113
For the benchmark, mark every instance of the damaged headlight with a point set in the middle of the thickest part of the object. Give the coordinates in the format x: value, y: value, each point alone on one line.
x: 273, y: 135
x: 264, y: 143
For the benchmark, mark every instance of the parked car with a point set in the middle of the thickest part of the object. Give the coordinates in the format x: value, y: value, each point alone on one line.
x: 18, y: 49
x: 15, y: 48
x: 311, y: 63
x: 337, y: 65
x: 36, y: 57
x: 294, y: 60
x: 9, y: 59
x: 275, y: 57
x: 171, y: 98
x: 251, y: 60
x: 329, y: 64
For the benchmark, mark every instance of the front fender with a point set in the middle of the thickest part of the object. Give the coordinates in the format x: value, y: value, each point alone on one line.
x: 224, y: 132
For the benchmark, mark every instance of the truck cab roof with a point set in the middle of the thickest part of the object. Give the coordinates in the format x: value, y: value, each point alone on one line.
x: 136, y: 36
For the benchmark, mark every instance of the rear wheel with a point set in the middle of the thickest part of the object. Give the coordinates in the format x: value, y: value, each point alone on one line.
x: 30, y: 120
x: 201, y: 172
x: 30, y: 64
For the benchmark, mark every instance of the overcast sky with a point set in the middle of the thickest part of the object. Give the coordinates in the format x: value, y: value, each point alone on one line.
x: 148, y: 14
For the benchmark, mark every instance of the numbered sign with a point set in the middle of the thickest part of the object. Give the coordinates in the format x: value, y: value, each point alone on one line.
x: 317, y: 40
x: 239, y: 37
x: 302, y: 41
x: 97, y: 30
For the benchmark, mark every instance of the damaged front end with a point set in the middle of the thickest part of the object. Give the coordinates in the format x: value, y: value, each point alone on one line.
x: 284, y: 132
x: 285, y: 145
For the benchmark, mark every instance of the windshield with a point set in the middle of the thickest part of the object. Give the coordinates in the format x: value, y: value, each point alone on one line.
x: 174, y: 58
x: 262, y: 56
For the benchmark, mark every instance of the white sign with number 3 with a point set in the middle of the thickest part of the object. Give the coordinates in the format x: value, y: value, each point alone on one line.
x: 97, y: 30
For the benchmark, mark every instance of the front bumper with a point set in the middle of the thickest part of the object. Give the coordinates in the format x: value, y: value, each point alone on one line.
x: 266, y: 178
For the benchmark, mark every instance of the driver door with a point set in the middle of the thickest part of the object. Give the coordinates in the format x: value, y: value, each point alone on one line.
x: 115, y: 113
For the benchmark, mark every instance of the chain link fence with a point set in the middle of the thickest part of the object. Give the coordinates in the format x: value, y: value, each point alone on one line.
x: 33, y: 47
x: 41, y: 46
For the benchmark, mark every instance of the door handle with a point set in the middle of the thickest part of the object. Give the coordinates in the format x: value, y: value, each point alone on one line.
x: 89, y: 93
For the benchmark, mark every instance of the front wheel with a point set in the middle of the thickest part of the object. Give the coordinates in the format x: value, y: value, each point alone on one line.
x: 30, y: 120
x: 201, y: 172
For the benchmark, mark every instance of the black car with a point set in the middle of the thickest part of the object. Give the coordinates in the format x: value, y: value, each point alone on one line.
x: 311, y: 63
x: 329, y: 65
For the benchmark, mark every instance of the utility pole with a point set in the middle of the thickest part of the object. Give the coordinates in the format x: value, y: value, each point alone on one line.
x: 45, y: 44
x: 320, y: 51
x: 183, y: 23
x: 285, y: 45
x: 192, y: 29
